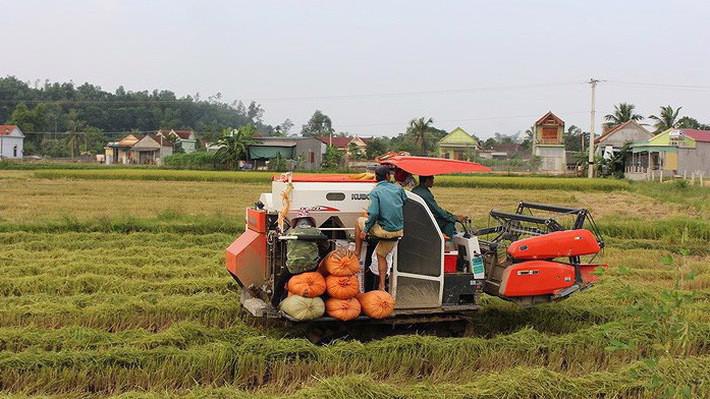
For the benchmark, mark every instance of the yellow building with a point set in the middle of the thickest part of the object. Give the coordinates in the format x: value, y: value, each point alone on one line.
x: 458, y: 145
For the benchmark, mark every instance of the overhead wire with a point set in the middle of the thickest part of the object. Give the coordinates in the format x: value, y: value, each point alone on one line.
x: 621, y: 83
x: 653, y: 85
x: 302, y: 98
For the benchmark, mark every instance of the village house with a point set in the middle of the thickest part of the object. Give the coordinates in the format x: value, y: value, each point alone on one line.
x: 131, y: 150
x: 673, y: 152
x: 11, y: 142
x: 612, y: 140
x: 503, y: 151
x: 458, y: 145
x: 305, y: 153
x: 548, y: 144
x: 348, y: 145
x: 184, y: 139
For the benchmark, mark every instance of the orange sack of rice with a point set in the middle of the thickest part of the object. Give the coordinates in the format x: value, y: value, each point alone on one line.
x: 309, y: 284
x: 342, y: 262
x: 342, y: 309
x: 344, y: 287
x: 376, y: 304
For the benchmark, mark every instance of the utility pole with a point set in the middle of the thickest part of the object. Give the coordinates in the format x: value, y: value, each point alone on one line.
x: 590, y: 171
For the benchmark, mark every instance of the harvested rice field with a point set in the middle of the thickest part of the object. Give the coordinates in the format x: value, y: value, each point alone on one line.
x: 116, y: 287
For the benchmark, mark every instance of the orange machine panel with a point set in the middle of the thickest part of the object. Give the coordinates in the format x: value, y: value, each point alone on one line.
x: 535, y: 277
x: 246, y: 258
x: 588, y: 272
x: 555, y: 245
x: 256, y: 220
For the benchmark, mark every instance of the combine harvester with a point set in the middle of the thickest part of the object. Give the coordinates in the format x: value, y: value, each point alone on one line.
x: 529, y: 256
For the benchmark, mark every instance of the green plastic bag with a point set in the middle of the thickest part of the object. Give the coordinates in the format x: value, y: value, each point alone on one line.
x: 302, y: 254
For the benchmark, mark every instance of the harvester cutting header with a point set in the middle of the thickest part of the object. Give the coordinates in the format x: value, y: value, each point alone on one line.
x: 303, y: 243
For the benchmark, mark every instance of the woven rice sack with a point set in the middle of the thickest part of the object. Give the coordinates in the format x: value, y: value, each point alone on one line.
x: 342, y: 287
x: 341, y: 262
x: 342, y: 309
x: 309, y: 284
x: 376, y: 304
x: 301, y: 308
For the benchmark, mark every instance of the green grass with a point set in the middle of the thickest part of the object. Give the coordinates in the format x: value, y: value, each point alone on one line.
x: 126, y: 224
x: 129, y: 306
x: 156, y: 174
x: 663, y: 378
x: 502, y: 182
x: 107, y: 312
x: 24, y: 165
x: 532, y: 183
x: 676, y: 192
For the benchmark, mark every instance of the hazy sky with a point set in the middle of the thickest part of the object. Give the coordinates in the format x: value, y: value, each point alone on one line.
x: 488, y: 66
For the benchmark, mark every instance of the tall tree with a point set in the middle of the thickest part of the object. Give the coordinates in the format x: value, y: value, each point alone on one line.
x: 687, y: 122
x: 490, y: 143
x: 666, y: 119
x: 30, y: 120
x: 75, y: 133
x: 119, y: 110
x: 574, y: 139
x: 319, y: 125
x: 623, y: 112
x: 233, y: 146
x: 255, y: 113
x: 283, y: 129
x: 333, y: 158
x: 376, y: 146
x: 420, y: 130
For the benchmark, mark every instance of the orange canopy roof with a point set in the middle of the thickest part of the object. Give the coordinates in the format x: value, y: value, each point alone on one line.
x: 425, y: 166
x: 327, y: 178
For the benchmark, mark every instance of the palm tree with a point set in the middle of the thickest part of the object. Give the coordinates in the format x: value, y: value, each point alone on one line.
x: 233, y: 145
x: 420, y: 129
x: 75, y: 134
x: 623, y: 112
x: 666, y: 119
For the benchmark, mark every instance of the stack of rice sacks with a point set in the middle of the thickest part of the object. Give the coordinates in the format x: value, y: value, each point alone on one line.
x: 337, y: 277
x: 305, y: 286
x: 340, y: 268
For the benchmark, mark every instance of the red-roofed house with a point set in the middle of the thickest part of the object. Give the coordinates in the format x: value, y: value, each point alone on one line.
x: 671, y: 152
x: 346, y: 143
x: 11, y: 142
x: 184, y: 139
x: 548, y: 144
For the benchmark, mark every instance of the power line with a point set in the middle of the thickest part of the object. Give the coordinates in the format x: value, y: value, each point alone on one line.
x: 107, y: 101
x: 302, y: 98
x: 343, y: 126
x: 461, y: 119
x: 651, y: 85
x: 421, y: 92
x: 104, y: 133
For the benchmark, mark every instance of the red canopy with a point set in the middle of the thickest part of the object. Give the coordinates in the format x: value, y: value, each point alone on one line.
x: 425, y: 166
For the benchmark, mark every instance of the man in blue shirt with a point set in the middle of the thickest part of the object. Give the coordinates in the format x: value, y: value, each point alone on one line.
x: 385, y: 220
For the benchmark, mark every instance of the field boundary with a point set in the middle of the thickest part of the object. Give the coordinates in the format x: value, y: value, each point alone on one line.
x: 478, y: 181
